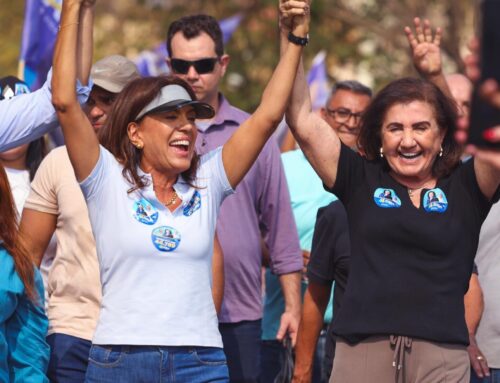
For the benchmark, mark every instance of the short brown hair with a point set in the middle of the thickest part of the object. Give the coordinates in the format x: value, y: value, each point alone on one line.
x: 405, y: 91
x: 114, y: 135
x: 192, y: 26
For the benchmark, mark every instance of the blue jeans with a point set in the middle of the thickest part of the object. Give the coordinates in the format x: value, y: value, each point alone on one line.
x: 493, y: 378
x: 69, y: 357
x: 130, y: 364
x: 242, y: 347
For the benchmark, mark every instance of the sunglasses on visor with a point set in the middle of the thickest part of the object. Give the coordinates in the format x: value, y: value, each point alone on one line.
x: 201, y: 66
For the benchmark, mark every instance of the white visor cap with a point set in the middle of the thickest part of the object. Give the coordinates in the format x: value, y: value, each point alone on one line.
x: 173, y: 97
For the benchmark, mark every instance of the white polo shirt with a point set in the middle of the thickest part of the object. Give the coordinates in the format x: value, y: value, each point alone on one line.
x: 155, y: 265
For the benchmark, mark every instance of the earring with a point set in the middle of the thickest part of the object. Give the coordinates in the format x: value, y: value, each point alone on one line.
x: 138, y: 145
x: 441, y: 152
x: 381, y: 151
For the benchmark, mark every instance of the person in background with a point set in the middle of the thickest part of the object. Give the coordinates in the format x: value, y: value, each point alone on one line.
x: 20, y: 163
x: 486, y: 361
x: 24, y: 353
x: 461, y: 90
x: 29, y: 116
x: 261, y: 202
x: 56, y: 205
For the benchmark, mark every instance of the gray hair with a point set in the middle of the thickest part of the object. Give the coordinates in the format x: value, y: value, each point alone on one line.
x: 352, y: 86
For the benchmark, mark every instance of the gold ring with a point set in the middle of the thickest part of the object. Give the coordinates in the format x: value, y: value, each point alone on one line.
x: 479, y: 357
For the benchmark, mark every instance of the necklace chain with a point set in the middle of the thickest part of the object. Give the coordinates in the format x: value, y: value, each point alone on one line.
x: 411, y: 191
x: 172, y: 200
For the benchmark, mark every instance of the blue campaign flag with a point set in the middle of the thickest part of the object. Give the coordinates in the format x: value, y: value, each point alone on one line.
x: 229, y: 25
x: 152, y: 62
x: 41, y: 20
x: 318, y: 81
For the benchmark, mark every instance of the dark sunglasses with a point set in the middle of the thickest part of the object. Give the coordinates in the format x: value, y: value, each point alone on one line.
x: 201, y: 66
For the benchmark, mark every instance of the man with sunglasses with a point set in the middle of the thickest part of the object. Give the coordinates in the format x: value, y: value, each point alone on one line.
x: 261, y: 205
x: 344, y: 108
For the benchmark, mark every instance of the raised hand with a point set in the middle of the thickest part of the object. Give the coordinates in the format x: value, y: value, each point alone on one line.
x: 293, y: 13
x: 425, y: 46
x: 88, y: 3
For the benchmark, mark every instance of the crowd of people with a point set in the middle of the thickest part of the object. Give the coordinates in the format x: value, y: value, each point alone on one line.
x: 176, y: 237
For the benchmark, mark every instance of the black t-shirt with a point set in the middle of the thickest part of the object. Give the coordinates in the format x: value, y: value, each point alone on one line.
x: 410, y: 267
x: 329, y: 261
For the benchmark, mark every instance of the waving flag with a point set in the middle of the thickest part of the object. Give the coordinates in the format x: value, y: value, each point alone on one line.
x: 229, y: 25
x: 152, y: 62
x: 318, y: 81
x: 41, y: 20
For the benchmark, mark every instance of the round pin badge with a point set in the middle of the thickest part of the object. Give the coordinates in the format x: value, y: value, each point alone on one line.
x: 435, y: 201
x: 166, y: 238
x: 144, y: 212
x: 193, y: 205
x: 386, y: 198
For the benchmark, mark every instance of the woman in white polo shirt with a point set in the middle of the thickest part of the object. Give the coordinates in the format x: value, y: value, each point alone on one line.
x: 153, y: 205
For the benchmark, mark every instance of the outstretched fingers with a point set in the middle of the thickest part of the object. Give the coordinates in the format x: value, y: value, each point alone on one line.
x: 411, y: 38
x: 423, y: 33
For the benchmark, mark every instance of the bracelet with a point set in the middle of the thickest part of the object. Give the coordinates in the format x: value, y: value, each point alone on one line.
x: 302, y: 41
x: 67, y: 25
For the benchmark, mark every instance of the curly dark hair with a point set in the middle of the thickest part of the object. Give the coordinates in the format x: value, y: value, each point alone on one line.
x: 192, y: 26
x: 405, y: 91
x: 114, y: 135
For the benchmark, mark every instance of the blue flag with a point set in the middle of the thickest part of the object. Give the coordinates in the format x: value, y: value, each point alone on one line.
x: 41, y: 20
x: 229, y: 25
x: 318, y: 81
x: 152, y: 62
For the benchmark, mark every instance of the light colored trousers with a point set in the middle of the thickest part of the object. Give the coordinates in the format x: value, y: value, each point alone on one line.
x: 399, y: 359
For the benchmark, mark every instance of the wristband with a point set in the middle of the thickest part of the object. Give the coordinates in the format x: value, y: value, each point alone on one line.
x: 302, y: 41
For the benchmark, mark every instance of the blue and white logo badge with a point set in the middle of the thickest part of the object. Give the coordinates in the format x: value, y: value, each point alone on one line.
x: 144, y: 212
x: 435, y: 201
x: 386, y: 198
x: 193, y: 205
x: 166, y: 238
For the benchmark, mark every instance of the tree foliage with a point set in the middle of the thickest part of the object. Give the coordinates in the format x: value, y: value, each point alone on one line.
x: 363, y: 39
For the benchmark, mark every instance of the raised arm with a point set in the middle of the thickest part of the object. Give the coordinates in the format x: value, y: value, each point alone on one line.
x: 85, y: 45
x: 316, y: 138
x: 240, y: 152
x: 81, y: 141
x: 426, y: 53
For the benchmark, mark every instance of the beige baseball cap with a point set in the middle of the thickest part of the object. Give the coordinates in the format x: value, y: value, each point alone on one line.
x: 113, y: 73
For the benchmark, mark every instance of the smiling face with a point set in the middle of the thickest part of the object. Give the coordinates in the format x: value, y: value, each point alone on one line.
x: 206, y: 86
x: 346, y: 102
x: 411, y: 140
x: 167, y: 140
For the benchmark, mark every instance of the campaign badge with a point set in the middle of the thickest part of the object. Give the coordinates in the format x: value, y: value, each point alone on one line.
x: 144, y: 212
x: 166, y: 238
x: 386, y: 198
x: 435, y: 201
x: 193, y: 205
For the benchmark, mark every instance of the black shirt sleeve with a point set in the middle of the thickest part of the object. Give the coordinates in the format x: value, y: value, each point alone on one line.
x: 478, y: 200
x: 330, y: 246
x: 349, y: 174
